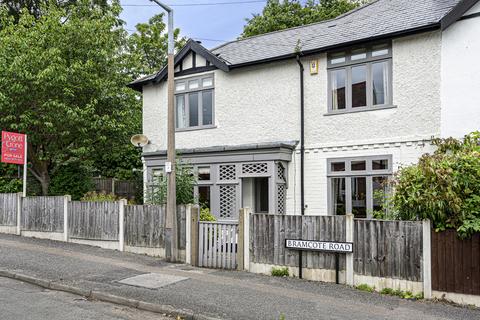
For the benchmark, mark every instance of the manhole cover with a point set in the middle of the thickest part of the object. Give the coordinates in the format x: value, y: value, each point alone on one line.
x: 152, y: 280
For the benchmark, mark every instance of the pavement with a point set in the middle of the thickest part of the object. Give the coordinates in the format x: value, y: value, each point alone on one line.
x: 20, y: 300
x: 198, y: 293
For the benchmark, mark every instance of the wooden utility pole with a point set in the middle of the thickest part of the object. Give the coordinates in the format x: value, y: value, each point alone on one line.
x: 171, y: 237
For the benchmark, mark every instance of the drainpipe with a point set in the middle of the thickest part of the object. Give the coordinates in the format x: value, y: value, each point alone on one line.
x: 302, y: 153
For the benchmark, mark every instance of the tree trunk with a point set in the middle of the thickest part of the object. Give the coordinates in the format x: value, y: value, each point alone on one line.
x: 40, y: 172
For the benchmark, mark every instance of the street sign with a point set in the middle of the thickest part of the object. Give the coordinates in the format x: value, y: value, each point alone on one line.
x: 327, y: 246
x: 13, y: 147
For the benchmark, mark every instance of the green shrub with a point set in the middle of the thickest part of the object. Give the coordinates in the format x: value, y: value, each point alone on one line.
x: 402, y: 294
x: 185, y: 181
x: 388, y: 291
x: 101, y: 196
x: 280, y: 272
x: 72, y: 179
x: 365, y: 287
x: 206, y: 215
x: 443, y: 187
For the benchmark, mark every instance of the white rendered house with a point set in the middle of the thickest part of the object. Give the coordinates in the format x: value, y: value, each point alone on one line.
x: 313, y: 119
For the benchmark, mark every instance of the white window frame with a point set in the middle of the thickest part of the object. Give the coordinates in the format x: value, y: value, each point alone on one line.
x: 347, y: 66
x: 348, y: 174
x: 200, y: 90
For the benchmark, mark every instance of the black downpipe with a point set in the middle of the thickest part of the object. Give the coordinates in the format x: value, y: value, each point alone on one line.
x: 302, y: 153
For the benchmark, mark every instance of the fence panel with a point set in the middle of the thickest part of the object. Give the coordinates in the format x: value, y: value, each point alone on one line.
x: 93, y: 220
x: 8, y: 209
x: 145, y: 226
x: 268, y: 234
x: 217, y: 245
x: 455, y: 263
x: 390, y: 249
x: 44, y: 214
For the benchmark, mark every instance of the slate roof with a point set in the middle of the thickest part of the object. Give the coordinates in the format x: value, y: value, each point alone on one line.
x: 377, y: 19
x: 380, y: 19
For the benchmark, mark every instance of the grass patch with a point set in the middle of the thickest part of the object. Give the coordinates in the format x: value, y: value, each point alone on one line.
x: 280, y: 272
x: 365, y: 287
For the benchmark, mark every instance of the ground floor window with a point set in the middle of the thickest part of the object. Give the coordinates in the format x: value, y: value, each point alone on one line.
x: 357, y: 185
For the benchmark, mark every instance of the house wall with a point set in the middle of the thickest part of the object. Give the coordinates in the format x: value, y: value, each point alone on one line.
x: 261, y: 104
x: 461, y: 76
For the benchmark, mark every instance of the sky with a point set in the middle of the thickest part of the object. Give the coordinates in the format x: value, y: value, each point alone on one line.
x: 215, y: 21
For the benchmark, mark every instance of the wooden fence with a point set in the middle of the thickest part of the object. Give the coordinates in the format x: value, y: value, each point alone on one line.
x: 268, y: 234
x: 217, y: 244
x: 44, y: 214
x: 145, y: 226
x: 8, y: 209
x: 390, y: 249
x: 455, y: 263
x: 122, y: 188
x: 93, y: 220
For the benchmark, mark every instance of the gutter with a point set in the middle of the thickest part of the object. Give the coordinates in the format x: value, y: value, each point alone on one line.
x: 302, y: 151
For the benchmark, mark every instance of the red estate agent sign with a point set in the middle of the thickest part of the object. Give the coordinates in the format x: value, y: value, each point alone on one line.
x: 13, y: 147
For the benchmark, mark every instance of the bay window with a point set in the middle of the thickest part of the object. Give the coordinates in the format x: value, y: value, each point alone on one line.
x: 360, y: 79
x: 194, y: 103
x: 354, y: 184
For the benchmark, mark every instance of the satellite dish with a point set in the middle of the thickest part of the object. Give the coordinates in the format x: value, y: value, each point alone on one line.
x: 139, y: 140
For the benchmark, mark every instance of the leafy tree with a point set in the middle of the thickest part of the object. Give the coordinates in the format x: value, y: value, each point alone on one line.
x: 147, y: 46
x: 279, y: 15
x: 73, y: 179
x: 443, y: 187
x: 63, y: 83
x: 9, y: 180
x: 37, y: 7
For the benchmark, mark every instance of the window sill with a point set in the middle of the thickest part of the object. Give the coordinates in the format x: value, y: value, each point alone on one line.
x: 195, y: 128
x: 361, y: 109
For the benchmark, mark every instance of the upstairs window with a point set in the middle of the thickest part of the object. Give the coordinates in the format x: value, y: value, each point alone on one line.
x: 194, y: 103
x: 360, y: 79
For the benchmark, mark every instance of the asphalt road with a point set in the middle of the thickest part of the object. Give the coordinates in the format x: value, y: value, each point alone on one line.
x: 22, y: 301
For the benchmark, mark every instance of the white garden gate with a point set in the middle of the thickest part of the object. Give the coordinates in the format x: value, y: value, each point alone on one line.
x: 217, y: 244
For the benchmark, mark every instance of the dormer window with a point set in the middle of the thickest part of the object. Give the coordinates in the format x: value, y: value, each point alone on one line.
x: 359, y: 79
x: 194, y: 103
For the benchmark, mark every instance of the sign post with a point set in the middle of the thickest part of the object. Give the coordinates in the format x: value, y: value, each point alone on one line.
x: 14, y: 150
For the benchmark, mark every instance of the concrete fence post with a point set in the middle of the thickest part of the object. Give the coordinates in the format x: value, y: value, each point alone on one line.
x: 246, y: 238
x: 121, y: 224
x: 19, y: 213
x: 194, y: 217
x: 349, y: 280
x: 427, y: 260
x: 66, y: 200
x: 188, y: 234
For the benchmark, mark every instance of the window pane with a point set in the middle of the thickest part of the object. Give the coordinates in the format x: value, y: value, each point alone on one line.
x: 379, y: 185
x: 380, y: 82
x: 181, y: 112
x: 204, y: 173
x: 179, y: 86
x: 380, y: 164
x: 193, y: 109
x: 359, y: 197
x: 207, y: 107
x: 204, y: 196
x: 359, y: 86
x: 380, y: 50
x: 338, y: 58
x: 207, y: 82
x: 193, y: 84
x: 338, y: 166
x: 338, y: 89
x: 358, y: 165
x: 338, y: 196
x: 358, y: 54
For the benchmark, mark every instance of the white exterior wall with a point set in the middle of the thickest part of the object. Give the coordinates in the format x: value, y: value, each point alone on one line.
x: 261, y: 104
x: 461, y: 77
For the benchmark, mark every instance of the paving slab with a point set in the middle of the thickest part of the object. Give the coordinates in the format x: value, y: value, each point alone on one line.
x: 152, y: 280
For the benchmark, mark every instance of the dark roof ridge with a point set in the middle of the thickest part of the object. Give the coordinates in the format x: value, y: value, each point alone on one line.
x: 297, y: 27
